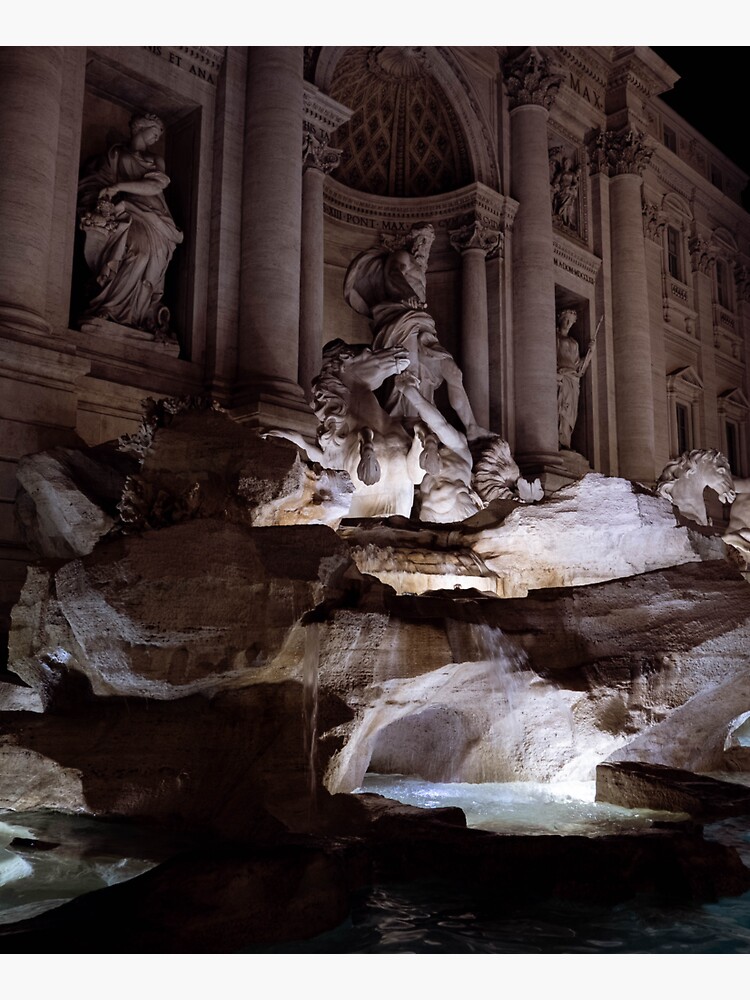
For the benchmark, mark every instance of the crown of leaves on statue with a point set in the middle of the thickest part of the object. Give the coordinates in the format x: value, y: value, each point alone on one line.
x: 139, y: 122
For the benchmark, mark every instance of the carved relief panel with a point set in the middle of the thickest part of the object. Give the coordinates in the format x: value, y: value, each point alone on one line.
x: 568, y: 186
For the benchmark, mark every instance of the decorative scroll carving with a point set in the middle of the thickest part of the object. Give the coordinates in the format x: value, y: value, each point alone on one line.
x: 654, y: 222
x: 530, y: 80
x: 476, y: 236
x: 621, y: 152
x: 702, y: 254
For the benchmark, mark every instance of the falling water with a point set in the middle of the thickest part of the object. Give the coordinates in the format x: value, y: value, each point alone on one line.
x: 506, y: 664
x: 310, y: 663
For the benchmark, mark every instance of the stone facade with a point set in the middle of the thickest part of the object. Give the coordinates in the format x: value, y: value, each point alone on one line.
x: 555, y: 179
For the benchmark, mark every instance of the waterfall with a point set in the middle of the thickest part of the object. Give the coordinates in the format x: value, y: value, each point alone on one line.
x: 310, y: 663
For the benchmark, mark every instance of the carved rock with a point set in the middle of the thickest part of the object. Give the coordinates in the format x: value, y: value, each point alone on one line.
x: 68, y: 498
x: 597, y: 529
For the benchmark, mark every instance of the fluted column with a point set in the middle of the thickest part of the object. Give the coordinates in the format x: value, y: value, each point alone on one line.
x: 31, y: 86
x: 271, y: 225
x: 623, y: 156
x: 474, y: 242
x: 532, y: 88
x: 321, y: 116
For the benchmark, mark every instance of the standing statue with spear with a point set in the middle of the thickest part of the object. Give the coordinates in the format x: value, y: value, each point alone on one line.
x: 571, y: 368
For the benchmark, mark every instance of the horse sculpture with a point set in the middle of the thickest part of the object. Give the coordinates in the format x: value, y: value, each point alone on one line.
x: 683, y: 481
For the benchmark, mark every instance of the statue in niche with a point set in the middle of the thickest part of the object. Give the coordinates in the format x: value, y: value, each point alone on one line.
x: 390, y: 287
x: 375, y: 404
x: 570, y: 370
x: 565, y: 177
x: 130, y: 233
x: 683, y: 481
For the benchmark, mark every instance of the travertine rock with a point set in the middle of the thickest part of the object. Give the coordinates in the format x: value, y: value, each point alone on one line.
x: 197, y: 606
x: 204, y: 464
x: 596, y: 529
x: 68, y: 498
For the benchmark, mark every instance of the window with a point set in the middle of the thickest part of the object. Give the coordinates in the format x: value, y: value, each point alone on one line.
x: 684, y: 437
x: 674, y: 257
x: 723, y: 291
x: 670, y: 138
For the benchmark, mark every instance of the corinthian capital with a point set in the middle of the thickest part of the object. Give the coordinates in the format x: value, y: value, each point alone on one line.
x: 476, y: 236
x: 318, y: 155
x: 530, y: 80
x: 621, y: 152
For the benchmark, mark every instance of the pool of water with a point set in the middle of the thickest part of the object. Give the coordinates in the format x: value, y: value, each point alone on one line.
x: 49, y: 858
x: 444, y: 917
x: 521, y: 807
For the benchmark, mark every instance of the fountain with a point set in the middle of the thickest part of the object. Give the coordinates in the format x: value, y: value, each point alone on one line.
x: 247, y: 637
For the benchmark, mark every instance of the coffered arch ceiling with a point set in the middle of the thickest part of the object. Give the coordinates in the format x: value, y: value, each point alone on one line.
x: 414, y: 131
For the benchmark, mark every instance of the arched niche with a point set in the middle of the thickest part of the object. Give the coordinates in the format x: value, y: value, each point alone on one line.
x: 393, y: 70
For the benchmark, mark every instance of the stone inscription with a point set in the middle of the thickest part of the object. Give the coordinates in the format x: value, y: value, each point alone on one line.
x: 587, y: 94
x: 182, y: 62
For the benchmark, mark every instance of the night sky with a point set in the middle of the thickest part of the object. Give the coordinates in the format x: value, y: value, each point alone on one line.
x: 711, y: 94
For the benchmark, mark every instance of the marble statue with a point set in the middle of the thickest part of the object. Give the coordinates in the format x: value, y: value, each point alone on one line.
x: 738, y: 531
x: 390, y: 287
x: 683, y: 480
x: 358, y: 435
x: 497, y: 476
x: 375, y: 403
x: 130, y: 233
x: 564, y: 185
x: 570, y: 370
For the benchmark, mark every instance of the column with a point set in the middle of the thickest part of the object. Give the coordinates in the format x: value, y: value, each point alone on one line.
x: 31, y: 85
x: 321, y: 116
x: 531, y: 89
x: 623, y: 156
x: 271, y: 230
x: 474, y: 242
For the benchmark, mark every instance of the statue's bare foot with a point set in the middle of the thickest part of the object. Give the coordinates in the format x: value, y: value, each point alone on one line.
x: 475, y: 433
x: 429, y: 460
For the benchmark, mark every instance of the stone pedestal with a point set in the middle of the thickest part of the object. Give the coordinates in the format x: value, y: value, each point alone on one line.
x: 115, y: 332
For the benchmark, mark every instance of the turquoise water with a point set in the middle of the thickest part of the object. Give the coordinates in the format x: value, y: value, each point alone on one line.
x: 68, y: 856
x: 443, y: 917
x: 429, y: 917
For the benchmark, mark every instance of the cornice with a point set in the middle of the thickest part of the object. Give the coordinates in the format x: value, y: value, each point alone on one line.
x: 575, y: 260
x: 584, y: 61
x: 445, y: 211
x: 322, y: 112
